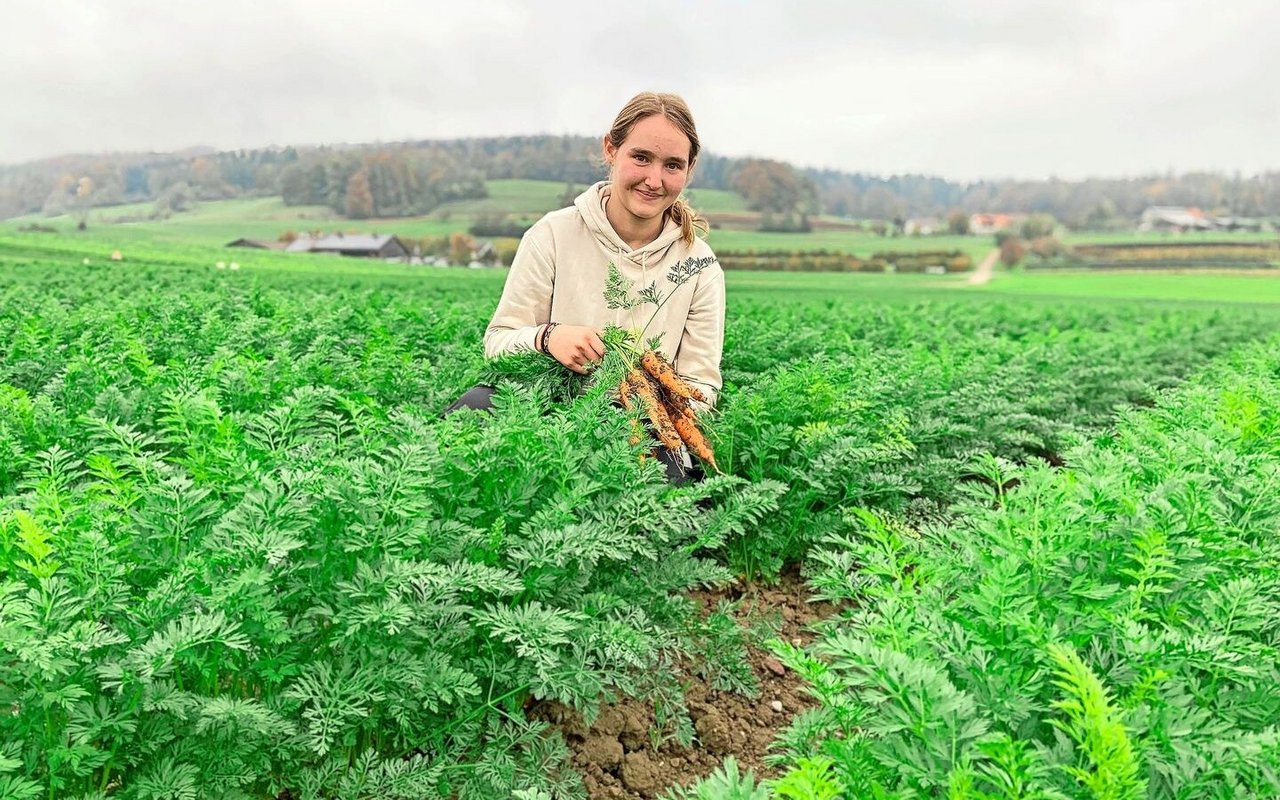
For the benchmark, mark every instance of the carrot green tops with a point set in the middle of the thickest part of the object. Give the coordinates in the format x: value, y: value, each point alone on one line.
x: 573, y: 268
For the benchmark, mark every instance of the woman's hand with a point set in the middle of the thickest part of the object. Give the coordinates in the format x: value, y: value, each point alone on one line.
x: 575, y: 346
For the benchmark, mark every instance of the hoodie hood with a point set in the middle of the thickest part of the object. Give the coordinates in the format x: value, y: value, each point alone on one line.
x: 591, y: 205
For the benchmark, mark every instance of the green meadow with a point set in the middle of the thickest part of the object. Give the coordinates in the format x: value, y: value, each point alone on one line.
x: 215, y: 223
x: 141, y: 244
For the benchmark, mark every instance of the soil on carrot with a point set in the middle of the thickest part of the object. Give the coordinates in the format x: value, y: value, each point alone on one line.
x: 617, y: 756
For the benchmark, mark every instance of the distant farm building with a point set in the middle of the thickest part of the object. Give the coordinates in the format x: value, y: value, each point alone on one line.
x: 982, y: 224
x: 923, y: 226
x: 1178, y: 219
x: 1175, y: 218
x: 364, y: 246
x: 259, y: 244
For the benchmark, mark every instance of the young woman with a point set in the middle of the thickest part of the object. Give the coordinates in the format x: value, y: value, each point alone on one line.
x: 637, y: 223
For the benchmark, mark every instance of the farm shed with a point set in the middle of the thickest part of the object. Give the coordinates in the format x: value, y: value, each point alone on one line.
x: 1176, y: 218
x: 923, y: 226
x: 367, y: 246
x: 987, y: 223
x: 259, y: 244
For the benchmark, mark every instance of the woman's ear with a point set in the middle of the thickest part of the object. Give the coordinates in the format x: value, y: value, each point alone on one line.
x: 610, y: 152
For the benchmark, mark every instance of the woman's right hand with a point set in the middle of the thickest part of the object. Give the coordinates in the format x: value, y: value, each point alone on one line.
x: 575, y: 346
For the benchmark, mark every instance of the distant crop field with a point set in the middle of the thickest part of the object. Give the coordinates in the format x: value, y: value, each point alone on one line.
x: 861, y: 243
x: 1252, y: 287
x: 145, y: 247
x: 221, y: 221
x: 1161, y: 237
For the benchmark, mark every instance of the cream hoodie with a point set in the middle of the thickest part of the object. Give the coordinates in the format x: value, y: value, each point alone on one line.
x: 559, y: 275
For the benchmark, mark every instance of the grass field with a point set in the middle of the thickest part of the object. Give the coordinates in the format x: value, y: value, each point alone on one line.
x: 860, y: 243
x: 1251, y: 287
x: 223, y: 221
x: 1162, y: 237
x: 1196, y: 287
x: 219, y: 222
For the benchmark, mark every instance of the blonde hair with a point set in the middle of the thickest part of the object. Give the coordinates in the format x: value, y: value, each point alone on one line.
x: 674, y: 108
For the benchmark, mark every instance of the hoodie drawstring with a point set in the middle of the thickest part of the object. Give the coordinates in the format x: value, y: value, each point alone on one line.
x: 644, y: 277
x: 617, y: 312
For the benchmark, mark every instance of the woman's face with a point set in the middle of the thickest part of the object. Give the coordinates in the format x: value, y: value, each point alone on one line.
x: 651, y: 167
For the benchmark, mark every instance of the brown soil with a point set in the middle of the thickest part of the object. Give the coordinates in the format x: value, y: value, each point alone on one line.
x: 616, y: 754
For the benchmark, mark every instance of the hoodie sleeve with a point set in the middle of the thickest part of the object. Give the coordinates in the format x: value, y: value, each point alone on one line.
x: 703, y: 341
x: 526, y: 298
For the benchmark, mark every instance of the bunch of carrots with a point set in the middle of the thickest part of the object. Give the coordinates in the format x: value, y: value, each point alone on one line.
x: 667, y: 401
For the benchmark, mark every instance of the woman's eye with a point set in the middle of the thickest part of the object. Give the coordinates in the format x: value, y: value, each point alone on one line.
x: 641, y: 159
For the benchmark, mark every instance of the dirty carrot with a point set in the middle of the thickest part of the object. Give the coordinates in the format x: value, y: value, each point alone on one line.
x: 693, y: 437
x: 678, y: 406
x: 665, y: 374
x: 658, y: 415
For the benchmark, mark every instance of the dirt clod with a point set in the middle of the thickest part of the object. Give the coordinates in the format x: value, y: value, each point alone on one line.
x: 603, y: 751
x: 610, y: 722
x: 635, y: 731
x: 713, y: 733
x: 773, y: 665
x: 640, y: 774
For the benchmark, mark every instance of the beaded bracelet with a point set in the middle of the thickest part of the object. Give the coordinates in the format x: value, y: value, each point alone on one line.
x: 546, y: 337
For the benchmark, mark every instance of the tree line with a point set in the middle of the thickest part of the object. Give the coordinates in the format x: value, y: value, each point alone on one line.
x: 411, y: 178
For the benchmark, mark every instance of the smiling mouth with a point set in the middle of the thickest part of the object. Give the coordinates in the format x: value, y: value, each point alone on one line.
x: 648, y: 195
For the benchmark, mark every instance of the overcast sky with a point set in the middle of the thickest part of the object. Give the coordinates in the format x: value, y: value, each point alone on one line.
x: 964, y: 90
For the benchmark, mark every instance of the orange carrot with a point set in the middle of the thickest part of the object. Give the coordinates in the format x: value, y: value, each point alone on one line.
x: 679, y: 406
x: 665, y: 374
x: 693, y: 437
x: 658, y: 415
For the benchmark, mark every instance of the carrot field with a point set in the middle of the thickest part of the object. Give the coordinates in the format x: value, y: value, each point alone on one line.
x: 243, y: 555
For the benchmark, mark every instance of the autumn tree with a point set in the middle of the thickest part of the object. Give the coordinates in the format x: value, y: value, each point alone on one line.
x: 772, y: 187
x: 958, y: 223
x: 206, y: 179
x: 1012, y: 251
x: 461, y: 246
x: 358, y: 202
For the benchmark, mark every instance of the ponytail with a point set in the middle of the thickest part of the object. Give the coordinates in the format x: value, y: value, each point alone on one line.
x: 690, y: 221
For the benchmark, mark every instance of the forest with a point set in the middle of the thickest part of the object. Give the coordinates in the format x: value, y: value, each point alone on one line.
x: 413, y: 178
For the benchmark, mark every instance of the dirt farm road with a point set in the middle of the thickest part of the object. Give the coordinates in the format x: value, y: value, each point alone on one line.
x: 986, y: 269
